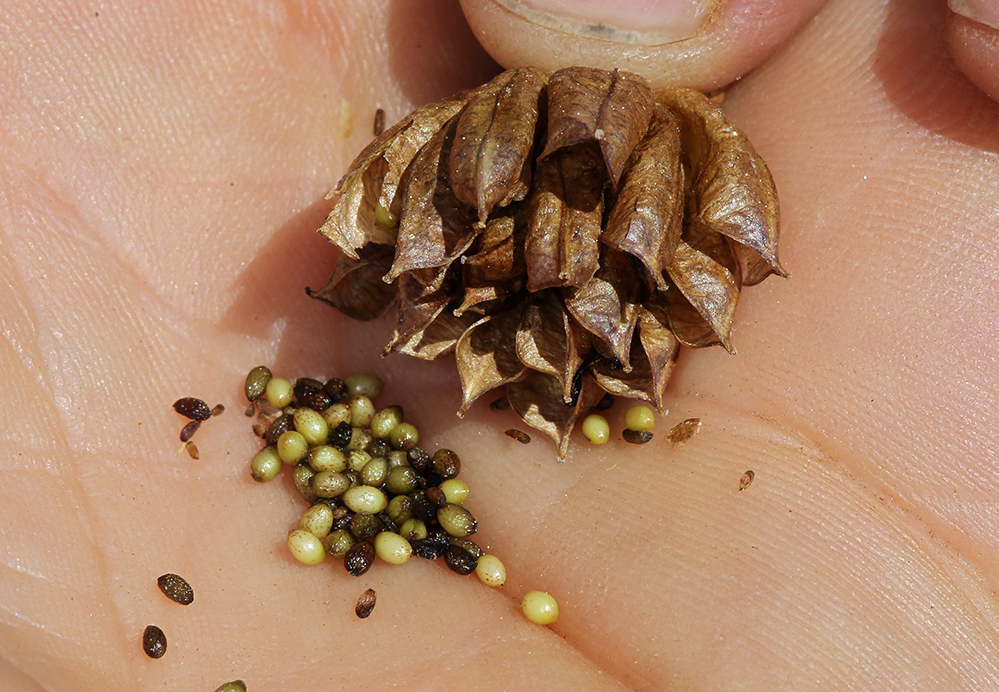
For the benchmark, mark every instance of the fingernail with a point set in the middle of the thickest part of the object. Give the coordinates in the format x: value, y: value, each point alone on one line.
x: 647, y: 22
x: 982, y: 11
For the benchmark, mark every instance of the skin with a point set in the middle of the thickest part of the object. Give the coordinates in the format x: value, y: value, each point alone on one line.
x: 163, y: 172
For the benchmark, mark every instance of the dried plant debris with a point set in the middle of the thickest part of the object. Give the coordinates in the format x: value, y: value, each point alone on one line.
x: 365, y: 604
x: 519, y: 435
x: 683, y: 431
x: 379, y: 124
x: 747, y: 479
x: 561, y: 236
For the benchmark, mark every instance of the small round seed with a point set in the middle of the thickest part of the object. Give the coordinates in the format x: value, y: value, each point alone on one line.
x: 338, y: 543
x: 385, y: 420
x: 362, y: 411
x: 596, y: 429
x: 359, y: 439
x: 154, y: 642
x: 413, y: 529
x: 341, y: 434
x: 401, y: 480
x: 455, y: 490
x: 266, y: 465
x: 459, y: 560
x: 327, y: 458
x: 187, y: 432
x: 305, y: 547
x: 302, y: 476
x: 540, y: 608
x: 317, y: 520
x: 176, y: 588
x: 357, y: 459
x: 279, y: 392
x: 392, y: 548
x: 329, y: 484
x: 470, y: 546
x: 365, y: 604
x: 375, y: 472
x: 399, y: 509
x: 456, y: 520
x: 337, y: 414
x: 446, y: 463
x: 192, y: 408
x: 277, y: 428
x: 747, y: 479
x: 636, y: 437
x: 436, y: 496
x: 309, y: 392
x: 234, y: 686
x: 256, y: 382
x: 363, y: 384
x: 491, y: 571
x: 358, y: 559
x: 312, y: 426
x: 519, y: 435
x: 363, y: 498
x: 404, y: 436
x: 365, y: 526
x: 640, y: 418
x: 335, y: 389
x: 292, y: 447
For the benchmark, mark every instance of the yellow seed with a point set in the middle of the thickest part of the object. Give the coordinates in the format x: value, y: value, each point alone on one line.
x: 596, y: 429
x: 359, y: 439
x: 361, y: 411
x: 384, y: 218
x: 336, y: 414
x: 312, y: 425
x: 490, y: 570
x: 404, y: 436
x: 357, y: 459
x: 305, y: 547
x: 540, y: 608
x: 365, y: 499
x: 382, y: 422
x: 279, y: 392
x: 317, y: 520
x: 327, y: 458
x: 292, y: 447
x: 413, y: 529
x: 392, y: 548
x: 640, y: 418
x: 456, y: 491
x: 265, y: 465
x: 363, y: 384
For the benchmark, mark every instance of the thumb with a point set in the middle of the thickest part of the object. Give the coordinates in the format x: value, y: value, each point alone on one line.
x: 973, y: 39
x: 699, y: 43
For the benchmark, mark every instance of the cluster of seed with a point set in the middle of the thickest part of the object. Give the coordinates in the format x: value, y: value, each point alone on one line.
x: 372, y: 490
x: 638, y: 421
x: 196, y: 411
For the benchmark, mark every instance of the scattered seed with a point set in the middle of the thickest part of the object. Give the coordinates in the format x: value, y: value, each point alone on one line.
x: 340, y: 435
x: 302, y: 478
x: 540, y: 608
x: 365, y: 526
x: 640, y: 418
x: 292, y: 447
x: 456, y: 520
x: 358, y: 559
x: 636, y: 437
x: 278, y: 427
x: 192, y: 408
x: 401, y: 480
x: 339, y: 543
x: 279, y: 392
x: 747, y: 479
x: 192, y: 450
x: 682, y: 432
x: 596, y: 429
x: 317, y: 520
x: 256, y: 382
x: 413, y: 530
x: 329, y: 484
x: 455, y: 490
x: 364, y: 498
x: 365, y: 604
x: 436, y: 496
x: 217, y: 410
x: 519, y: 435
x: 266, y: 465
x: 305, y: 547
x: 363, y: 384
x: 309, y: 392
x: 327, y: 458
x: 471, y: 546
x: 404, y: 436
x: 459, y: 560
x: 234, y: 686
x: 188, y: 430
x: 260, y: 430
x: 491, y: 571
x: 431, y: 547
x: 501, y: 404
x: 385, y: 420
x: 154, y: 642
x: 176, y: 588
x: 419, y: 459
x: 311, y: 425
x: 379, y: 126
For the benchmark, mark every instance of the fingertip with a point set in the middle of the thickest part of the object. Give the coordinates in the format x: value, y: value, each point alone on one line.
x: 973, y: 41
x: 705, y: 44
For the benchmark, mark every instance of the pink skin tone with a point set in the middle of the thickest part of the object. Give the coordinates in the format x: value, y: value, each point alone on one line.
x: 163, y: 173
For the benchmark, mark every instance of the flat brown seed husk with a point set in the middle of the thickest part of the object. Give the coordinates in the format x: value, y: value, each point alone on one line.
x: 519, y: 435
x: 365, y: 604
x: 682, y: 432
x: 747, y: 479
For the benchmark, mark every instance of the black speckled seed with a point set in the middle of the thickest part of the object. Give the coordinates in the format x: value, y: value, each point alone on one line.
x: 365, y: 604
x: 309, y: 392
x: 336, y: 389
x: 280, y: 426
x: 436, y: 496
x: 636, y: 437
x: 154, y: 642
x: 519, y: 435
x: 341, y: 434
x: 419, y: 459
x: 192, y: 408
x: 605, y: 403
x: 431, y: 547
x: 358, y: 559
x: 176, y: 588
x: 188, y: 431
x: 460, y: 560
x: 446, y: 463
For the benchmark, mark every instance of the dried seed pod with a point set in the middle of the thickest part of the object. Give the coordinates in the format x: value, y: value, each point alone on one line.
x: 192, y: 408
x: 176, y: 588
x: 365, y: 604
x: 154, y: 642
x: 683, y: 431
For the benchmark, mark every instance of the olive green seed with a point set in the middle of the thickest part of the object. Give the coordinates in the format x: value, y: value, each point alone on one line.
x: 362, y: 411
x: 413, y: 529
x: 491, y: 571
x: 305, y: 547
x: 399, y: 509
x: 636, y: 437
x: 392, y: 548
x: 385, y: 420
x: 363, y: 384
x: 471, y: 546
x: 302, y: 476
x: 336, y: 414
x: 279, y: 392
x: 292, y: 447
x: 327, y: 458
x: 256, y: 382
x: 380, y: 447
x: 404, y: 436
x: 455, y: 490
x: 365, y: 526
x: 266, y: 465
x: 312, y: 426
x: 402, y: 480
x: 359, y: 439
x: 640, y: 418
x: 375, y: 472
x: 329, y: 484
x: 338, y: 543
x: 154, y: 642
x: 317, y: 520
x: 540, y: 608
x: 365, y: 499
x: 358, y: 559
x: 357, y: 459
x: 446, y: 463
x: 176, y: 588
x: 365, y: 604
x: 398, y: 458
x: 456, y: 520
x: 234, y: 686
x: 596, y: 429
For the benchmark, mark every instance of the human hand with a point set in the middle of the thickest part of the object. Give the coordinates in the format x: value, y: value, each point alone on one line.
x: 163, y: 174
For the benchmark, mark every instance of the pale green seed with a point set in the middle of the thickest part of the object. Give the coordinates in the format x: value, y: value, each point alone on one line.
x: 397, y: 457
x: 540, y: 608
x: 327, y: 458
x: 265, y: 465
x: 491, y: 571
x: 357, y: 459
x: 312, y: 425
x: 336, y: 414
x: 292, y: 447
x: 399, y: 509
x: 279, y: 392
x: 364, y: 498
x: 305, y: 547
x: 402, y: 480
x: 596, y: 429
x: 455, y: 490
x: 404, y: 436
x: 385, y: 420
x: 317, y: 520
x: 359, y: 439
x: 362, y: 411
x: 392, y: 548
x: 640, y: 418
x: 413, y: 529
x: 328, y: 484
x: 375, y: 472
x: 338, y: 543
x: 456, y: 520
x: 384, y: 217
x: 363, y: 384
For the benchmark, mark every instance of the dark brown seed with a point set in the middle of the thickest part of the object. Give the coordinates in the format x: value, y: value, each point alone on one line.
x: 419, y: 459
x: 192, y: 408
x: 154, y: 642
x: 378, y: 128
x: 421, y: 507
x: 501, y: 404
x: 192, y: 450
x: 604, y: 403
x: 519, y: 435
x: 470, y: 546
x: 281, y: 425
x: 260, y: 430
x: 358, y: 559
x: 340, y: 435
x: 309, y: 392
x: 637, y: 437
x: 460, y: 560
x: 336, y: 389
x: 747, y: 479
x: 436, y: 496
x: 431, y: 547
x: 188, y: 430
x: 446, y: 463
x: 365, y: 604
x: 217, y: 410
x: 176, y: 588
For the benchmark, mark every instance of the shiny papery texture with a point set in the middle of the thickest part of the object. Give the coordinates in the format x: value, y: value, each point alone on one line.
x: 561, y: 236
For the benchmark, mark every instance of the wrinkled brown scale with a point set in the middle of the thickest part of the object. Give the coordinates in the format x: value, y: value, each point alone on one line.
x: 747, y: 479
x: 683, y: 431
x: 561, y: 239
